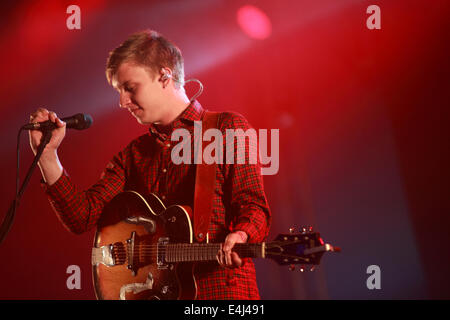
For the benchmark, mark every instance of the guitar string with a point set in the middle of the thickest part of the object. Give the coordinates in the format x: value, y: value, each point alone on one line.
x: 182, y: 256
x: 183, y: 248
x: 187, y: 247
x: 203, y: 255
x: 185, y: 251
x: 207, y: 245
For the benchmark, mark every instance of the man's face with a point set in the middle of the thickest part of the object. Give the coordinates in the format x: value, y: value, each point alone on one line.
x: 139, y: 93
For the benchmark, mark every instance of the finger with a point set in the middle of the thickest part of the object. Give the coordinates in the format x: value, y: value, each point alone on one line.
x: 230, y: 241
x: 228, y: 259
x: 236, y: 260
x: 227, y: 253
x: 220, y: 258
x: 52, y: 116
x: 41, y: 114
x: 60, y: 123
x: 34, y: 117
x: 217, y: 258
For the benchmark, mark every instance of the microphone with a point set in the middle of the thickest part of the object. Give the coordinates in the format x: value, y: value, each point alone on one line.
x: 79, y: 121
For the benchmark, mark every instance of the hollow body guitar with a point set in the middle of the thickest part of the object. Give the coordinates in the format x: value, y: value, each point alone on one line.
x: 143, y: 250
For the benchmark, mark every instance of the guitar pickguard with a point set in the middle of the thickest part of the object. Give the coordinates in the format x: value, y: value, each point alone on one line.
x: 137, y: 287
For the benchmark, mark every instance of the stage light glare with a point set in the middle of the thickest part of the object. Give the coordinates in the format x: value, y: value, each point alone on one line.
x: 254, y: 22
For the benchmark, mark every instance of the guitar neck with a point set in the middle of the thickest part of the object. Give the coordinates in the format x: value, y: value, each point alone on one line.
x: 192, y: 252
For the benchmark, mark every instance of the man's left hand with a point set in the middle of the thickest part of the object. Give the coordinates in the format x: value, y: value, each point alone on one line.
x: 226, y: 257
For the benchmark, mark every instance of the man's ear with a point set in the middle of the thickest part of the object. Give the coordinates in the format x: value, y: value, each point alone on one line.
x: 166, y: 75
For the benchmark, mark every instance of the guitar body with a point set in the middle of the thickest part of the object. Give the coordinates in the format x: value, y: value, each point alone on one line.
x: 143, y: 222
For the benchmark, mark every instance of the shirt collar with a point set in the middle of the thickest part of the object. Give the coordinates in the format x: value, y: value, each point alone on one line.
x: 193, y: 112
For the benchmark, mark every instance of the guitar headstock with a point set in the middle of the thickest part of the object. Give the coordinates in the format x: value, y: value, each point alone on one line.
x: 304, y: 247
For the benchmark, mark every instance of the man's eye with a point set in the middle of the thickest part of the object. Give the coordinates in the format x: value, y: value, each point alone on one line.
x: 129, y: 89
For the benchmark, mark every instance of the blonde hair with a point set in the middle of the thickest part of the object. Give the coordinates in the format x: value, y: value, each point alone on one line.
x: 150, y: 49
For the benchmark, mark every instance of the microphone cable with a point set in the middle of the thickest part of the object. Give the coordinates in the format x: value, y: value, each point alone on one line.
x: 9, y: 218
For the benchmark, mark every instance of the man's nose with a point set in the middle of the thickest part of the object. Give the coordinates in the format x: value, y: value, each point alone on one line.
x: 124, y: 100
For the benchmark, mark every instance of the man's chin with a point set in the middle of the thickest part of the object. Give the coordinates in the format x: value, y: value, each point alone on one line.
x: 143, y: 121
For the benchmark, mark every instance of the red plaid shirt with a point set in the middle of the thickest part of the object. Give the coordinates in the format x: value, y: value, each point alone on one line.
x: 145, y: 166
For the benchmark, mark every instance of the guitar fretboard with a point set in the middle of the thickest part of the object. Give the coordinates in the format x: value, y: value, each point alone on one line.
x: 182, y: 252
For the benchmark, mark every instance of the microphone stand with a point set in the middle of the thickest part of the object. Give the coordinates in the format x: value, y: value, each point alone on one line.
x: 9, y: 218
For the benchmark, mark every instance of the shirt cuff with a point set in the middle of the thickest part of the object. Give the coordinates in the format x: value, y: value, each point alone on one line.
x: 59, y: 188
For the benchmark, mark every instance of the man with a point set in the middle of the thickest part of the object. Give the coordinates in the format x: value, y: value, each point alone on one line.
x: 147, y: 71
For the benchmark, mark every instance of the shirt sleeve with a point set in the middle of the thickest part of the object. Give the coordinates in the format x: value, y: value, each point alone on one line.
x: 250, y: 210
x: 80, y: 210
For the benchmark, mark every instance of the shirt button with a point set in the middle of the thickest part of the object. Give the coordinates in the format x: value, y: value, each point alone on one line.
x: 163, y: 197
x: 168, y: 145
x: 164, y: 170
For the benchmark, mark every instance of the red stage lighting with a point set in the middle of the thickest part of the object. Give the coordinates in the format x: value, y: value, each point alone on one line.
x: 254, y: 22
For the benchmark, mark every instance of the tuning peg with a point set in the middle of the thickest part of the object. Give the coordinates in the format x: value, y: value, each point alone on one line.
x: 310, y: 229
x: 302, y: 269
x: 312, y: 268
x: 291, y: 267
x: 303, y: 230
x: 291, y: 230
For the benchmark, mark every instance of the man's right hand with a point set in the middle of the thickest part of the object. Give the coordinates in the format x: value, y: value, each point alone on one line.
x: 58, y: 134
x: 49, y: 164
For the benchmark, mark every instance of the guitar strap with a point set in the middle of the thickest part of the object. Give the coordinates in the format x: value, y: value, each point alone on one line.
x: 205, y: 179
